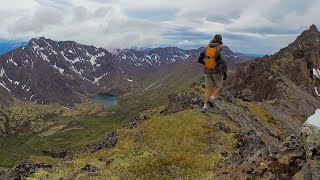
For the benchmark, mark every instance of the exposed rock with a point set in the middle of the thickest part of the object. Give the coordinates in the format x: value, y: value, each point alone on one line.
x: 23, y: 170
x: 110, y: 142
x: 181, y: 101
x: 311, y: 170
x: 61, y: 153
x: 138, y: 119
x: 246, y: 95
x: 89, y: 168
x: 109, y: 161
x: 292, y: 152
x: 221, y: 126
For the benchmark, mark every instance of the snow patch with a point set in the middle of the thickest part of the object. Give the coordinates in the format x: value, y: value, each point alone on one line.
x: 60, y: 69
x: 2, y: 72
x: 316, y: 72
x: 1, y: 84
x: 316, y: 89
x: 314, y: 119
x: 44, y: 57
x: 13, y: 62
x: 93, y: 59
x: 96, y: 80
x: 157, y: 82
x: 31, y: 97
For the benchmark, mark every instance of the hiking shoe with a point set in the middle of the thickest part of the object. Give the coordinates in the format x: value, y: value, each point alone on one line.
x: 211, y: 102
x: 204, y: 110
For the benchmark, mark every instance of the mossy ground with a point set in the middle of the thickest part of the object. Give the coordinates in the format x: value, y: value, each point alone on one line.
x: 79, y: 129
x: 163, y: 147
x: 263, y: 114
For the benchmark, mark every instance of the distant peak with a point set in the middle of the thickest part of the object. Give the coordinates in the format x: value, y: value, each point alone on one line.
x: 313, y: 28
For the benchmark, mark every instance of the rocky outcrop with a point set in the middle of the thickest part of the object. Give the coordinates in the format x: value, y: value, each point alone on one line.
x: 181, y: 101
x: 110, y: 142
x: 311, y: 169
x: 23, y: 170
x: 136, y: 120
x: 88, y: 168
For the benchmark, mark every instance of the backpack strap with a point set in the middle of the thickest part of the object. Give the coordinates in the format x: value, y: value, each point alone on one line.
x: 218, y: 51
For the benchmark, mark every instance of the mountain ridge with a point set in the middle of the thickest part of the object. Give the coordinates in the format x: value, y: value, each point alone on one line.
x: 80, y: 69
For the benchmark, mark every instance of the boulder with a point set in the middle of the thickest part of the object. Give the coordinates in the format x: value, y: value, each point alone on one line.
x: 311, y: 136
x: 109, y: 142
x: 89, y: 168
x: 182, y: 101
x: 138, y: 119
x: 23, y: 170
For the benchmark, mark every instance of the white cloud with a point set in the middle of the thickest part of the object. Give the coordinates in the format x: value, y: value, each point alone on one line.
x: 247, y: 26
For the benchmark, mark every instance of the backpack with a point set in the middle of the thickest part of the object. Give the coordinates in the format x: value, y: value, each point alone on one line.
x: 211, y: 55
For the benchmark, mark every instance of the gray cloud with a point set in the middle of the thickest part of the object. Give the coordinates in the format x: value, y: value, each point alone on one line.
x: 154, y: 14
x: 226, y: 17
x: 277, y: 11
x: 247, y: 26
x: 41, y: 19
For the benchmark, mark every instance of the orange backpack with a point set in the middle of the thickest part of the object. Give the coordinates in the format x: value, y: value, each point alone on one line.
x: 211, y: 62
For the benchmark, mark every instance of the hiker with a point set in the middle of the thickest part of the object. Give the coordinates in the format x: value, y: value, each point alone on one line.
x: 214, y: 60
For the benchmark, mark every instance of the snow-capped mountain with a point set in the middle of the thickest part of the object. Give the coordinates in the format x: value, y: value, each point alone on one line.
x: 157, y: 57
x: 46, y: 71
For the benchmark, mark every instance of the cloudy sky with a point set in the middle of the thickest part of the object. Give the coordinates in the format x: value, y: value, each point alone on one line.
x: 248, y: 26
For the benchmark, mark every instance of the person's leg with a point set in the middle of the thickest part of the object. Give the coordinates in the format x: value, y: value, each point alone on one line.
x: 207, y: 95
x: 218, y: 81
x: 209, y: 88
x: 215, y: 91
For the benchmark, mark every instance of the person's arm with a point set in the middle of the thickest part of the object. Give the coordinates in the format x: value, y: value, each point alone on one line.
x: 201, y: 57
x: 223, y: 58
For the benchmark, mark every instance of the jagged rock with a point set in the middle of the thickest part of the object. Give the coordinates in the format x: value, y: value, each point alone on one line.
x: 23, y: 170
x: 89, y: 168
x: 61, y: 153
x: 181, y: 101
x: 137, y: 119
x: 311, y: 170
x: 292, y: 152
x: 109, y: 142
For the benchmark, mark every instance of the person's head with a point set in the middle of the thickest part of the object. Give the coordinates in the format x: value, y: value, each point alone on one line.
x: 217, y: 39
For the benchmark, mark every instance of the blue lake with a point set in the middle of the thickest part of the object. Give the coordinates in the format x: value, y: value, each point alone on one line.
x: 104, y: 98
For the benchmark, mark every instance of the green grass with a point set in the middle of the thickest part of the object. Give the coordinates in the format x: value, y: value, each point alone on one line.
x: 263, y: 114
x: 94, y: 127
x: 96, y: 124
x: 171, y: 146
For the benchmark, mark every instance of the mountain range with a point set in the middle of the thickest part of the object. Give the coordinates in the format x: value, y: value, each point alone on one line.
x: 46, y: 71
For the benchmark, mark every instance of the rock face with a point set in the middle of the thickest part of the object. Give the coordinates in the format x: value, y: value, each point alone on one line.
x: 311, y: 169
x: 23, y: 170
x: 182, y: 101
